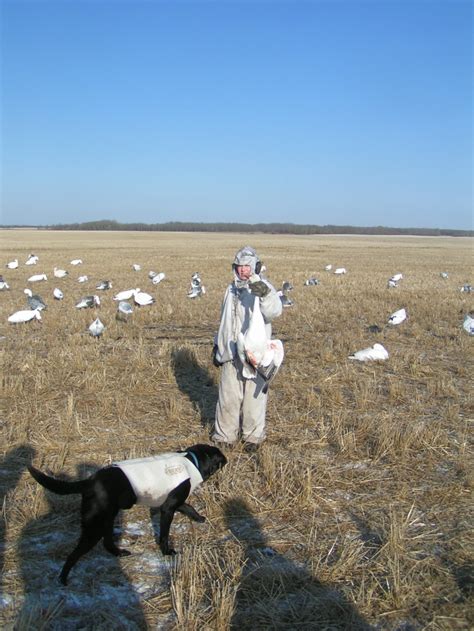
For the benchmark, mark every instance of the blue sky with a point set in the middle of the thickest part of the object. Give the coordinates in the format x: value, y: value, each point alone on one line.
x: 341, y: 112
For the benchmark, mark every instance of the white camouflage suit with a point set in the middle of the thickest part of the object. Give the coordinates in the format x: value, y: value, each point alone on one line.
x: 242, y: 403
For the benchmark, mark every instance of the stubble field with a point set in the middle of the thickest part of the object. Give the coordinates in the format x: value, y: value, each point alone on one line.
x: 356, y: 513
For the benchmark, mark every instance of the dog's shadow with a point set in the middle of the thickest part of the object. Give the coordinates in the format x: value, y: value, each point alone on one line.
x: 277, y: 593
x: 12, y: 466
x: 98, y: 594
x: 195, y: 382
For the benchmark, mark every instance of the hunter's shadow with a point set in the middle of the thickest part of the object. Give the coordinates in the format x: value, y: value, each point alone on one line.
x: 12, y: 466
x: 196, y: 382
x: 277, y: 593
x: 98, y: 593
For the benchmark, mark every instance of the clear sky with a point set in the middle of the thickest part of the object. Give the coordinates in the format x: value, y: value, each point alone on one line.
x: 337, y: 112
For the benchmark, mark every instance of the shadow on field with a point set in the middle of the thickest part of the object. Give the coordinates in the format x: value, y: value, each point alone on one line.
x: 98, y: 594
x: 11, y: 469
x: 276, y: 593
x: 195, y: 382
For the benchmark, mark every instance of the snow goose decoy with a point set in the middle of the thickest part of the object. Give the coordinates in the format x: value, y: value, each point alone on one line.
x: 76, y: 262
x: 136, y: 267
x: 151, y: 275
x: 126, y: 294
x: 158, y: 278
x: 88, y: 302
x: 37, y: 277
x: 444, y: 275
x: 328, y: 268
x: 83, y: 279
x: 142, y: 299
x: 340, y: 270
x: 468, y: 324
x: 124, y: 311
x: 392, y: 283
x: 467, y: 288
x: 32, y: 260
x: 398, y: 317
x: 58, y: 294
x: 3, y: 284
x: 60, y: 273
x: 96, y: 328
x: 35, y: 301
x: 12, y: 264
x: 25, y: 316
x: 104, y: 285
x: 397, y: 277
x: 372, y: 353
x: 311, y: 282
x: 197, y: 289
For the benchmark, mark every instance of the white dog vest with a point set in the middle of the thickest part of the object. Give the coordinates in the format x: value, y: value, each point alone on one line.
x: 153, y: 478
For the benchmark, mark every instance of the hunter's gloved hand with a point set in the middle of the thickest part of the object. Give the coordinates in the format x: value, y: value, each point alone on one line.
x: 215, y: 361
x: 259, y: 288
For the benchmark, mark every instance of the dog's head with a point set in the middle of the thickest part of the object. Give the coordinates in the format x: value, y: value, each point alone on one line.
x: 210, y: 459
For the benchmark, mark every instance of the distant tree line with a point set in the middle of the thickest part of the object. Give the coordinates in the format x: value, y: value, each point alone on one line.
x: 268, y: 228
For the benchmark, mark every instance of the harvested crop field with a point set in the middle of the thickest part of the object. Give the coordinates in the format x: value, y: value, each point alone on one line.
x: 356, y: 513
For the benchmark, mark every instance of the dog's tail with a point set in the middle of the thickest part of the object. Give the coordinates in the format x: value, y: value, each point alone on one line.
x: 61, y: 487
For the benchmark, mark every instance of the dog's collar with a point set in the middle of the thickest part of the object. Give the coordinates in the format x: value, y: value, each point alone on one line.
x: 194, y: 459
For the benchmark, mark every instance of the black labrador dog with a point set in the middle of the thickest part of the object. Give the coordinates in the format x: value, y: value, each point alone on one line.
x: 163, y: 481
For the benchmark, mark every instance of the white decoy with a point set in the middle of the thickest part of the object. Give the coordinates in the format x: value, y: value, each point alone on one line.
x: 328, y: 268
x: 287, y: 286
x: 340, y: 270
x: 32, y: 260
x: 60, y: 273
x: 12, y: 264
x: 136, y: 267
x: 37, y: 277
x: 35, y: 301
x: 124, y: 310
x: 25, y: 316
x: 142, y: 299
x: 126, y: 294
x: 83, y: 279
x: 397, y: 277
x: 444, y: 275
x: 151, y: 275
x: 58, y: 294
x: 88, y: 302
x: 196, y: 292
x: 467, y: 288
x: 96, y: 328
x: 397, y: 317
x: 104, y: 285
x: 76, y: 262
x: 311, y: 281
x: 286, y: 301
x: 158, y: 278
x: 3, y: 284
x: 392, y: 283
x: 372, y: 353
x: 468, y: 324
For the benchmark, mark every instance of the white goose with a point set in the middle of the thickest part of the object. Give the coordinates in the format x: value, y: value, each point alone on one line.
x: 96, y: 328
x: 468, y: 324
x: 136, y: 267
x: 328, y: 268
x: 35, y: 301
x: 397, y: 277
x: 82, y: 279
x: 398, y: 317
x: 24, y: 316
x: 142, y: 299
x: 12, y: 264
x: 60, y: 273
x: 88, y: 302
x: 340, y: 270
x: 126, y: 294
x: 37, y: 277
x: 157, y: 278
x: 32, y: 260
x: 76, y: 262
x: 58, y: 294
x: 372, y: 353
x: 3, y: 284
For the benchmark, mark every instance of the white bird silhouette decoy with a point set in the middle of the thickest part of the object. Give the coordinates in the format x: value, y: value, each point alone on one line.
x: 12, y: 264
x: 397, y: 317
x: 58, y: 294
x: 32, y: 260
x: 311, y: 281
x: 392, y: 283
x: 25, y: 316
x: 35, y: 301
x: 76, y: 262
x: 142, y: 299
x: 88, y: 302
x: 104, y: 285
x: 151, y: 275
x: 82, y: 279
x: 60, y: 273
x: 3, y: 284
x: 340, y: 270
x: 157, y: 278
x: 397, y: 277
x: 328, y: 268
x: 372, y: 353
x: 37, y: 277
x: 444, y: 275
x: 126, y: 294
x: 468, y: 324
x: 96, y: 328
x: 124, y: 310
x: 136, y: 267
